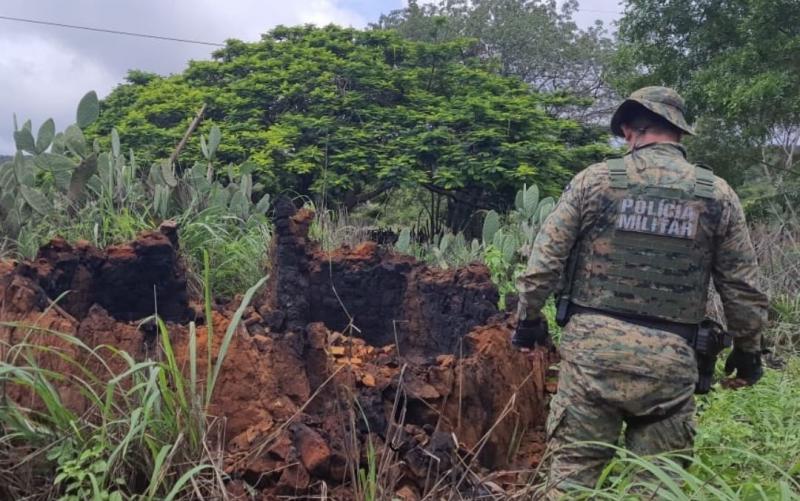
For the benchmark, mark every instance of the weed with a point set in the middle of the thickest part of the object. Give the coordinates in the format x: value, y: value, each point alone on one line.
x: 144, y: 433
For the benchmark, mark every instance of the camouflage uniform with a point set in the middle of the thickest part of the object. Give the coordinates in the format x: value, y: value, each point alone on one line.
x: 616, y: 372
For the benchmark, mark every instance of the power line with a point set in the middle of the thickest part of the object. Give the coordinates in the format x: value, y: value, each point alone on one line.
x: 113, y: 32
x: 598, y: 11
x: 173, y: 39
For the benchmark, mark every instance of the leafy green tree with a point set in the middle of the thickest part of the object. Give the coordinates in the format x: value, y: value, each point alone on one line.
x: 738, y: 64
x: 351, y: 114
x: 531, y: 39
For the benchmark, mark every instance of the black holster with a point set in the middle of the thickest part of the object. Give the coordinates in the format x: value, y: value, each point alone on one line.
x: 562, y: 311
x: 710, y: 340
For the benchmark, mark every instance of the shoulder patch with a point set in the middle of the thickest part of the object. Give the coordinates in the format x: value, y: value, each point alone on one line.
x: 618, y: 172
x: 703, y: 182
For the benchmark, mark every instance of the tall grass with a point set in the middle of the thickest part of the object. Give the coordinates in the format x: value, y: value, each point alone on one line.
x: 144, y: 432
x: 668, y: 477
x: 778, y: 250
x: 238, y: 250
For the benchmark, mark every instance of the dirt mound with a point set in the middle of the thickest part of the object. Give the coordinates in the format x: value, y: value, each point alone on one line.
x: 424, y: 371
x: 130, y: 281
x: 373, y: 293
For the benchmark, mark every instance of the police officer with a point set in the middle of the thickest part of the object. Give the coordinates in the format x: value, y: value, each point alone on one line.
x: 647, y: 234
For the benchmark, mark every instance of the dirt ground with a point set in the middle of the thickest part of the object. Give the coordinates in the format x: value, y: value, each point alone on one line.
x: 339, y: 350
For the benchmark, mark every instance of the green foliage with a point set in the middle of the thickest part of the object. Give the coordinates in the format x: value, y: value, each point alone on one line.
x: 738, y: 65
x: 368, y: 478
x: 757, y: 429
x: 105, y: 197
x: 352, y: 113
x: 145, y: 420
x: 534, y: 40
x: 503, y: 271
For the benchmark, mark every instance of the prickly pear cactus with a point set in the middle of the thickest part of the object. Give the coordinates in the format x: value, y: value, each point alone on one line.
x: 403, y: 243
x: 59, y: 174
x: 491, y: 224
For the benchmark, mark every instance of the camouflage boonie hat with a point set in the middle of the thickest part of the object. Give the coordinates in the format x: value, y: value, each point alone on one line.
x: 662, y: 101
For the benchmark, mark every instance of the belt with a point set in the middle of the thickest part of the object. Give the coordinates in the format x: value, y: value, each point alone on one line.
x: 687, y: 331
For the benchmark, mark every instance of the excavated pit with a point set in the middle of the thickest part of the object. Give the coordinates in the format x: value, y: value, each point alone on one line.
x: 372, y: 293
x: 417, y: 359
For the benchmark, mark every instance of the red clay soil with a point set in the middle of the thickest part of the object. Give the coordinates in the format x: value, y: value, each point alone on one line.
x: 426, y: 366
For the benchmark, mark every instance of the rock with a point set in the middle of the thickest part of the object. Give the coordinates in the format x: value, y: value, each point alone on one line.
x: 313, y: 451
x: 294, y: 480
x: 368, y: 380
x: 407, y: 493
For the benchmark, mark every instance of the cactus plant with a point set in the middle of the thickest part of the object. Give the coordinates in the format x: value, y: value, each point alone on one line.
x: 161, y: 200
x: 60, y: 174
x: 24, y: 138
x: 115, y: 143
x: 403, y: 243
x: 75, y: 141
x: 263, y: 204
x: 527, y: 200
x: 80, y: 178
x: 545, y: 207
x: 214, y: 138
x: 491, y: 224
x: 44, y: 138
x: 88, y: 110
x: 25, y: 175
x: 36, y: 200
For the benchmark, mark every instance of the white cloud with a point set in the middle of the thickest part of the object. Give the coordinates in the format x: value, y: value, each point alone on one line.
x: 45, y: 70
x: 44, y: 80
x: 322, y: 12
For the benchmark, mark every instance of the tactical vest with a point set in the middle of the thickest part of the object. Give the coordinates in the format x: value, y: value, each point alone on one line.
x: 649, y: 253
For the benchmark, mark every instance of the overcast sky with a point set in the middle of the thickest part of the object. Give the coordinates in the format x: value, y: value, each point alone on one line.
x: 45, y: 70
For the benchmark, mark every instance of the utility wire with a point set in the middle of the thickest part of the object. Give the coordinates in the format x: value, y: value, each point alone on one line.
x: 170, y: 39
x: 113, y: 32
x: 598, y: 11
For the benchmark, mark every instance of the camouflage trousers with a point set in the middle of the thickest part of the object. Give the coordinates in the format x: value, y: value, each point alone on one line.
x: 592, y: 404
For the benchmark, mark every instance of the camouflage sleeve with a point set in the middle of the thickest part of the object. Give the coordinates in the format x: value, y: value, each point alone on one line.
x: 735, y: 272
x: 551, y: 250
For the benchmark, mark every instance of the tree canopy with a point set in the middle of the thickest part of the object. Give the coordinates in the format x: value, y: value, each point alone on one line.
x: 737, y: 62
x: 352, y: 113
x: 531, y: 39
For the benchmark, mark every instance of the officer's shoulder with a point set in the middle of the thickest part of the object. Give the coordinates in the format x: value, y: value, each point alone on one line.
x: 721, y: 186
x: 594, y: 173
x: 599, y: 168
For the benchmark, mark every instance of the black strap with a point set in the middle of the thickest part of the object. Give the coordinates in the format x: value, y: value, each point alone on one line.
x: 686, y: 331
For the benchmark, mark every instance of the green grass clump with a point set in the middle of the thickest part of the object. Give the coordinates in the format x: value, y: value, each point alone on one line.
x: 144, y: 435
x: 751, y: 434
x: 238, y: 250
